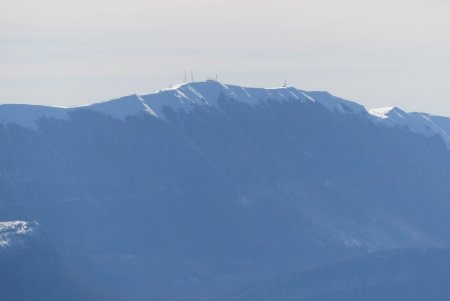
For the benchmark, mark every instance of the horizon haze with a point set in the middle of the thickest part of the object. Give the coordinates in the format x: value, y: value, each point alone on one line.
x: 383, y: 53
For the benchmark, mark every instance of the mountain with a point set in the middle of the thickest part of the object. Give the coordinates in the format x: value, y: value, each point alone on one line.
x: 203, y: 189
x: 32, y: 270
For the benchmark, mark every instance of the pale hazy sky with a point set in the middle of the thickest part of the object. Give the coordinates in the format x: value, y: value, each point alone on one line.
x: 377, y: 52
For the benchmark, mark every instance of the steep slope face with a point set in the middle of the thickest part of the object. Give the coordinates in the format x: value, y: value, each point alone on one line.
x: 394, y: 275
x: 185, y: 200
x: 32, y: 271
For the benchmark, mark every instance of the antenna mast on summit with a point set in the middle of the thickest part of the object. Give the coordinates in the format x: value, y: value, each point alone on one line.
x: 185, y: 77
x: 192, y: 76
x: 285, y: 83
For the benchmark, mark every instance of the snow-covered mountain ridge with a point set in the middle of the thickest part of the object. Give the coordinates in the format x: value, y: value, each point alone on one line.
x: 189, y: 95
x: 180, y: 97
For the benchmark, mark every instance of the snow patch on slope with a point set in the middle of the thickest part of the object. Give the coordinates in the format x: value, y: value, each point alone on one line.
x: 15, y: 232
x: 381, y: 112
